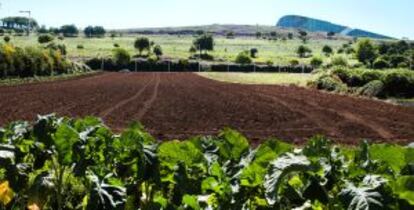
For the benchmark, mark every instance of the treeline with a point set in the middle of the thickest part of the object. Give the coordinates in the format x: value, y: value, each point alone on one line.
x: 35, y: 61
x: 18, y: 23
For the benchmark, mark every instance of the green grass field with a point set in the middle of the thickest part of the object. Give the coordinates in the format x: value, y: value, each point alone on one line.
x: 261, y: 78
x: 177, y: 47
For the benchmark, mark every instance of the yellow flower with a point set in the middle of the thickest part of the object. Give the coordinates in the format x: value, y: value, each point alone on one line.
x: 6, y: 193
x: 33, y: 206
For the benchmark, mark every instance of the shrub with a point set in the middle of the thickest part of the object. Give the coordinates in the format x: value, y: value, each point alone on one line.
x: 158, y: 50
x: 7, y: 39
x: 243, y: 58
x: 60, y: 47
x: 339, y: 61
x: 303, y: 51
x: 121, y: 57
x: 380, y: 63
x: 399, y: 83
x: 396, y: 60
x: 327, y: 50
x: 116, y: 45
x: 374, y: 88
x: 316, y: 62
x: 269, y: 63
x: 204, y: 42
x: 253, y: 52
x: 45, y: 38
x: 294, y: 62
x: 329, y: 83
x: 370, y: 75
x: 80, y: 47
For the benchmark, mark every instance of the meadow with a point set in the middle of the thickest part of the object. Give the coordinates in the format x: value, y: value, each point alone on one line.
x: 280, y: 52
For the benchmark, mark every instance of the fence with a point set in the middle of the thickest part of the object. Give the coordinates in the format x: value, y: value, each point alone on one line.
x: 186, y: 66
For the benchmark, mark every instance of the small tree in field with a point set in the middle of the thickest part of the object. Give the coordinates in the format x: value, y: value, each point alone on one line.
x: 7, y: 39
x: 141, y: 44
x: 303, y: 35
x: 366, y: 52
x: 157, y: 50
x: 327, y: 50
x: 303, y: 51
x: 204, y: 43
x: 253, y: 52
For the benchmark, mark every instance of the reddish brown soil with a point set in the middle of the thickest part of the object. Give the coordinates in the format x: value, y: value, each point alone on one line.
x: 180, y: 105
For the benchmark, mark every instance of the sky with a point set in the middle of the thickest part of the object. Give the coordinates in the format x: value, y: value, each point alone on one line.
x: 389, y: 17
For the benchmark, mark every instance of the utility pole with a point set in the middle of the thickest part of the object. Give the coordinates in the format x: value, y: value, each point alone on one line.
x: 29, y: 13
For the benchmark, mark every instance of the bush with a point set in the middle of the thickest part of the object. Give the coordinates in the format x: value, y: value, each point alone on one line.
x: 158, y: 50
x: 80, y: 47
x: 399, y: 83
x: 370, y: 75
x: 339, y: 61
x: 45, y: 38
x: 7, y: 39
x: 316, y: 62
x: 380, y: 63
x: 243, y: 58
x: 116, y: 45
x: 121, y: 57
x: 329, y: 83
x: 366, y: 52
x: 294, y: 62
x: 374, y: 88
x: 327, y: 50
x: 253, y: 52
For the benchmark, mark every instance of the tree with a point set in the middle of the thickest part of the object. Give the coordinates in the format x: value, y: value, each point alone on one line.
x: 303, y: 35
x: 158, y: 50
x: 290, y: 35
x: 327, y: 50
x: 258, y: 35
x: 69, y: 31
x: 303, y: 51
x: 204, y: 43
x: 243, y: 58
x: 316, y: 62
x: 253, y: 52
x: 366, y: 52
x: 94, y: 31
x: 273, y: 35
x: 141, y: 44
x: 42, y: 30
x: 45, y: 38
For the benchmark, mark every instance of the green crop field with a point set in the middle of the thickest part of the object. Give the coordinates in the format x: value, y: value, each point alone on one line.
x: 177, y: 47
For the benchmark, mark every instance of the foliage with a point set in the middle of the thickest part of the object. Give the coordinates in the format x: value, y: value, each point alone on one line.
x: 7, y: 39
x: 204, y: 42
x: 69, y: 30
x: 157, y: 50
x: 316, y: 62
x: 61, y: 163
x: 303, y: 51
x: 253, y: 52
x: 339, y: 61
x: 94, y: 31
x: 121, y: 57
x: 30, y: 61
x: 327, y: 50
x: 243, y: 58
x: 141, y: 44
x: 45, y: 38
x: 366, y: 51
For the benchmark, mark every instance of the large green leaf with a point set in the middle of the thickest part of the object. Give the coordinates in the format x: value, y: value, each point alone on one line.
x: 360, y: 198
x: 173, y: 152
x: 105, y: 196
x: 233, y: 145
x: 64, y: 139
x: 277, y: 171
x: 404, y: 188
x: 393, y: 155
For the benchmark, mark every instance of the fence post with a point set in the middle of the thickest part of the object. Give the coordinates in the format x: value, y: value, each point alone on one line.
x: 254, y: 67
x: 169, y: 66
x: 102, y: 64
x: 228, y: 67
x: 136, y: 66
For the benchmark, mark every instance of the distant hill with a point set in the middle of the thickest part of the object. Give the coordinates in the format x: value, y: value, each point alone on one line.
x: 315, y: 25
